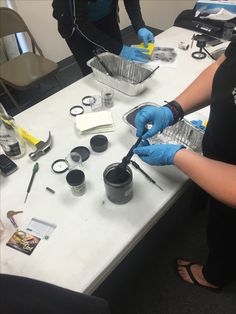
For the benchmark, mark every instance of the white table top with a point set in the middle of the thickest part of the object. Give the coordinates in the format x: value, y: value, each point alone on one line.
x: 93, y: 235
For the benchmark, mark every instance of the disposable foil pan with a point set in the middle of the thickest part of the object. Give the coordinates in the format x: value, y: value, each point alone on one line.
x: 128, y: 77
x: 183, y: 132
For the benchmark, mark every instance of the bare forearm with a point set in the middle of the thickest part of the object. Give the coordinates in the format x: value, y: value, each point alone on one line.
x: 198, y: 93
x: 215, y: 177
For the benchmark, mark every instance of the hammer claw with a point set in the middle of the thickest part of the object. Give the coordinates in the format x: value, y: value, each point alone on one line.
x: 41, y: 148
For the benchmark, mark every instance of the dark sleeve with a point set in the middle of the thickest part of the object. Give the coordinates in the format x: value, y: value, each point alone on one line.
x: 72, y: 16
x: 231, y: 49
x: 24, y: 295
x: 90, y: 31
x: 134, y: 11
x: 62, y: 13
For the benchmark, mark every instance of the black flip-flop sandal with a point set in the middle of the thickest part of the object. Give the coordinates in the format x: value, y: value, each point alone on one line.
x: 195, y: 282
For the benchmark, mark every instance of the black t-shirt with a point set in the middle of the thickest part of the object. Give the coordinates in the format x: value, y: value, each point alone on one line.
x: 219, y: 141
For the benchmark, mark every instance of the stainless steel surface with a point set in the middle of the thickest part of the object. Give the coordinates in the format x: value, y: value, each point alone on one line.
x: 183, y: 132
x: 126, y: 75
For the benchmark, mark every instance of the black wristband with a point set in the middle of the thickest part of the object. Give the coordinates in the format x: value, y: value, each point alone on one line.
x: 176, y: 109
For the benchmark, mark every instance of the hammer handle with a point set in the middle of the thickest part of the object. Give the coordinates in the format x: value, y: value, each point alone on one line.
x: 33, y: 140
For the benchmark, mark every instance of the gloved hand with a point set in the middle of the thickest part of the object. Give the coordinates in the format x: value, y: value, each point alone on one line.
x: 136, y: 54
x: 159, y: 117
x: 157, y: 154
x: 145, y: 36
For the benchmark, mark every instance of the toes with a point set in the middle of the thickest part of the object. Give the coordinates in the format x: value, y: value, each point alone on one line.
x: 182, y: 262
x: 184, y: 274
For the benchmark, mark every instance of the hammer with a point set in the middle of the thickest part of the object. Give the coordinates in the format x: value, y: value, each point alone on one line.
x: 41, y: 147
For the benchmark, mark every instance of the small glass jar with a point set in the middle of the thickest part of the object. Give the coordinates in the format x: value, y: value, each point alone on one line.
x: 76, y: 180
x: 107, y: 97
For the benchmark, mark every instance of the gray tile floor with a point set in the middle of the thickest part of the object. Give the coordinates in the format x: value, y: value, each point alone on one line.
x: 146, y: 282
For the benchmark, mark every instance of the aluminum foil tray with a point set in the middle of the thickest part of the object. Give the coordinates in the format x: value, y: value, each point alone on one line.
x: 183, y: 132
x: 126, y: 75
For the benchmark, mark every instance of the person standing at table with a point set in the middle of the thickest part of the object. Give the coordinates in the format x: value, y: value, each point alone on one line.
x: 93, y: 25
x: 214, y: 172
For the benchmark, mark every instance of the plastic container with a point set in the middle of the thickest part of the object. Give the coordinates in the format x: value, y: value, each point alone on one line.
x: 107, y: 97
x: 126, y: 74
x: 76, y: 180
x: 99, y: 143
x: 183, y: 132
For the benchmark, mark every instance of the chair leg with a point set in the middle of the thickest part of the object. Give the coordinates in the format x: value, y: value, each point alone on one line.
x: 10, y: 96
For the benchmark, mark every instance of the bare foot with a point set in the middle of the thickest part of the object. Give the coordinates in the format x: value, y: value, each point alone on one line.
x: 196, y: 271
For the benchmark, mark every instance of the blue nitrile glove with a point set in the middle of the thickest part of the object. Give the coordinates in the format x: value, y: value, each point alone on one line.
x: 145, y: 36
x: 135, y: 54
x: 159, y: 117
x: 158, y: 154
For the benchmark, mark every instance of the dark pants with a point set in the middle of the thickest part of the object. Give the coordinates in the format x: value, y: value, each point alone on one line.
x: 21, y: 295
x: 220, y: 267
x: 82, y: 49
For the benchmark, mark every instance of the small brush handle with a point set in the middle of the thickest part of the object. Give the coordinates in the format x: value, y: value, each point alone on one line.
x: 127, y: 158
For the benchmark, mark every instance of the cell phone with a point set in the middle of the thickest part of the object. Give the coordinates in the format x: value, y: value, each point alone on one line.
x: 7, y: 166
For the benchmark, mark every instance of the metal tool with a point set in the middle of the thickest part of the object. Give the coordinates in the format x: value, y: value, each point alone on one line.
x: 35, y: 169
x: 145, y: 174
x: 10, y: 215
x: 41, y: 147
x: 50, y: 190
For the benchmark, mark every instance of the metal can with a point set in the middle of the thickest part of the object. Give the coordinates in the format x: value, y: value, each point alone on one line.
x: 118, y: 190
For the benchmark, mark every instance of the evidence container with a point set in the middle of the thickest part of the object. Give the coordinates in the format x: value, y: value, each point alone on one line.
x: 118, y: 191
x: 76, y: 180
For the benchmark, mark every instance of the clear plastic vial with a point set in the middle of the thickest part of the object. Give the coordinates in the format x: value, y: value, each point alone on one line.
x: 107, y: 97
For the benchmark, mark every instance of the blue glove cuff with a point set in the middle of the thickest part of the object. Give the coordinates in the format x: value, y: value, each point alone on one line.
x: 170, y: 157
x: 169, y: 114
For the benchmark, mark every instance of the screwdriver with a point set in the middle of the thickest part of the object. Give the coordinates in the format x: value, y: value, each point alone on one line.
x: 145, y: 174
x: 35, y: 169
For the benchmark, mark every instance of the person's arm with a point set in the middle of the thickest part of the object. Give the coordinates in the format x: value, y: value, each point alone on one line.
x: 134, y: 12
x: 198, y: 93
x: 215, y: 177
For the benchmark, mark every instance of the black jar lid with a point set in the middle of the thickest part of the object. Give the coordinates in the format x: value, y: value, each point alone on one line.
x: 99, y: 143
x: 83, y: 151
